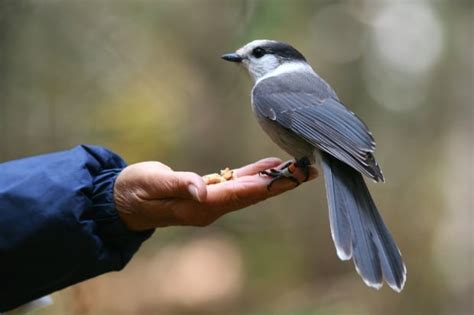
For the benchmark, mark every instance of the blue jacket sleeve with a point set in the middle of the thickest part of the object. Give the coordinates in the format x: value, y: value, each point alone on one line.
x: 58, y: 223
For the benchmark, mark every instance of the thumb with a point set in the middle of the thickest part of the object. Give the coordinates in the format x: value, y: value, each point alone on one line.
x: 185, y: 185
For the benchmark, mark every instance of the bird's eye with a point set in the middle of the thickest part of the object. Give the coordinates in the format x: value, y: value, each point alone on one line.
x: 258, y: 52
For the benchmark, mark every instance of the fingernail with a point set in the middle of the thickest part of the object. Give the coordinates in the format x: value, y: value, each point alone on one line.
x: 194, y: 192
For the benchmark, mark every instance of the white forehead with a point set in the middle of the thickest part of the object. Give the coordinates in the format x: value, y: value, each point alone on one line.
x: 247, y: 49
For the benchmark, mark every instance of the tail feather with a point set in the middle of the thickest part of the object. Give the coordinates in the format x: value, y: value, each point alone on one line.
x: 357, y: 228
x: 338, y: 217
x: 394, y: 270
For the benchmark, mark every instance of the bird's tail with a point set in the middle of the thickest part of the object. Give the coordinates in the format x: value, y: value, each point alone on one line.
x: 357, y: 228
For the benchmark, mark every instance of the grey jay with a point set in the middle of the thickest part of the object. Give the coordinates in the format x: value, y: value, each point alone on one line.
x: 303, y: 115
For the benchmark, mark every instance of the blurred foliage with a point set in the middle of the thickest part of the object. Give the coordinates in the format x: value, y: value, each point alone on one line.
x: 144, y: 79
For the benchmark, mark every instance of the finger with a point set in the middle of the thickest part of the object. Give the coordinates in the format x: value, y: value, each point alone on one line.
x: 185, y: 185
x: 248, y: 190
x: 221, y: 199
x: 257, y: 167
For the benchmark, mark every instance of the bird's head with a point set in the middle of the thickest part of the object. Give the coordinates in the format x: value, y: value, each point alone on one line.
x: 261, y: 57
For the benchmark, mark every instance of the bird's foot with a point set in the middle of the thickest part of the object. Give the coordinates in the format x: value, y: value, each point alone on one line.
x: 287, y: 171
x: 304, y: 164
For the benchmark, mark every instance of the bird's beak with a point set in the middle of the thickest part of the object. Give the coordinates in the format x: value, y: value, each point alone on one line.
x: 233, y: 57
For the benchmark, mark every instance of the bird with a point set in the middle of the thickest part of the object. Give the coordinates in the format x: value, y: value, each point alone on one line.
x: 303, y: 115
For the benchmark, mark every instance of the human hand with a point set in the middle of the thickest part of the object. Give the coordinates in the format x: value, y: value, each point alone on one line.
x: 150, y: 194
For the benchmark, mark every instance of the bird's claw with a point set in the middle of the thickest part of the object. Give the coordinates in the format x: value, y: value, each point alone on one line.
x: 286, y: 172
x: 277, y: 175
x: 304, y: 164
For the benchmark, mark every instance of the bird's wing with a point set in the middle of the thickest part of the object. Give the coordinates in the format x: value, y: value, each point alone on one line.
x: 307, y: 106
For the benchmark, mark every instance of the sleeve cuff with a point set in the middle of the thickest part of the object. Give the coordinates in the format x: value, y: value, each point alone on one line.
x: 110, y: 227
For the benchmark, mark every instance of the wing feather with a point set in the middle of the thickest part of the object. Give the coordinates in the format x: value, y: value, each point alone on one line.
x: 312, y: 111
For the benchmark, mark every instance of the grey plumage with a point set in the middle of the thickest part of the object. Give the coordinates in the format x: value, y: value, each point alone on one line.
x: 303, y: 115
x: 307, y: 106
x: 357, y: 228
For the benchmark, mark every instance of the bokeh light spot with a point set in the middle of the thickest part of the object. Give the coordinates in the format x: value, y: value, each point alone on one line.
x: 408, y: 36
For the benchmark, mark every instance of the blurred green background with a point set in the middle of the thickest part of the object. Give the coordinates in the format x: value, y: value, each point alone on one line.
x: 144, y: 78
